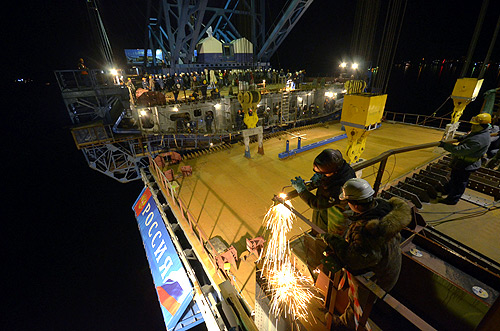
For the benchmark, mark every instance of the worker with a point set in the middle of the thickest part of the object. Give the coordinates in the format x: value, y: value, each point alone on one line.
x: 209, y: 118
x: 175, y: 91
x: 494, y: 140
x: 151, y: 85
x: 203, y: 88
x: 82, y: 67
x: 240, y: 115
x: 331, y: 172
x: 466, y: 157
x: 131, y: 89
x: 370, y: 244
x: 84, y: 72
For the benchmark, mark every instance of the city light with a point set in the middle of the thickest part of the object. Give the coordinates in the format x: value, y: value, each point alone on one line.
x: 354, y: 66
x: 343, y: 65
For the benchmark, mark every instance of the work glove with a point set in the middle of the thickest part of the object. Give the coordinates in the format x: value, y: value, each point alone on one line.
x: 299, y: 185
x: 335, y: 242
x: 331, y: 263
x: 316, y: 179
x: 460, y: 137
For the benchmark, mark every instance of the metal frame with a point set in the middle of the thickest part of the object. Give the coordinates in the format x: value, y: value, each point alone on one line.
x: 289, y: 17
x: 91, y: 97
x: 177, y: 26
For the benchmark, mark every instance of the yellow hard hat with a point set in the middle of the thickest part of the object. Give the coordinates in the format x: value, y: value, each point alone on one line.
x: 483, y: 118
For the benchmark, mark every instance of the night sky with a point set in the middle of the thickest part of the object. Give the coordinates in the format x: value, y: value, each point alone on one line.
x: 73, y: 255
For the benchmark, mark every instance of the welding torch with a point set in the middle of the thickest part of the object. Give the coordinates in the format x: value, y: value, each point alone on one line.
x: 282, y: 197
x: 293, y: 194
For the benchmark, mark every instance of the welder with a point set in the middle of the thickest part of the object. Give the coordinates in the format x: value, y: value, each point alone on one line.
x: 331, y: 172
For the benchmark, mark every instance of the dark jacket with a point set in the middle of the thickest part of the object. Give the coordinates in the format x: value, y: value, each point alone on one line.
x: 467, y: 154
x: 495, y: 142
x: 327, y: 195
x: 372, y: 241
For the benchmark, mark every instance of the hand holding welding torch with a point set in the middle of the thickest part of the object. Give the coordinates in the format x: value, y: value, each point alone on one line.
x: 299, y: 184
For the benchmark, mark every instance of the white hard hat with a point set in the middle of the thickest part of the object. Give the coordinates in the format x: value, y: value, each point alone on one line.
x: 356, y: 189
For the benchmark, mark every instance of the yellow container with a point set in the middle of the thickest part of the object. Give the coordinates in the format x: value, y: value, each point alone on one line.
x: 363, y: 110
x: 467, y: 88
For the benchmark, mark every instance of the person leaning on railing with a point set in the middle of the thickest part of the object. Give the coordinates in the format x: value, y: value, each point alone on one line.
x: 371, y: 243
x: 331, y: 171
x: 466, y: 157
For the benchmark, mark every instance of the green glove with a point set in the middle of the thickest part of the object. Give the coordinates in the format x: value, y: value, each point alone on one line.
x: 316, y: 179
x: 298, y: 184
x: 331, y: 263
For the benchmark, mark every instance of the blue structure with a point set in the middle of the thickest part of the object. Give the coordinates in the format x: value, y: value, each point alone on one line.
x: 301, y: 149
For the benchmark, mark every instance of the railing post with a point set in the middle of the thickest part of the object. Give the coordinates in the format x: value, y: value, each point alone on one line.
x: 380, y: 174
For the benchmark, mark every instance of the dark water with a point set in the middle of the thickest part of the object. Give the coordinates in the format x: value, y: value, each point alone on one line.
x: 73, y: 253
x: 422, y: 89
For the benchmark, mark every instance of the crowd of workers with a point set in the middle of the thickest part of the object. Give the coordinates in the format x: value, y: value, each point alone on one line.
x: 200, y: 83
x: 361, y: 231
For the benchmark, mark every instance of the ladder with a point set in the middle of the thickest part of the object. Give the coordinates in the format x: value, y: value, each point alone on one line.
x: 285, y: 107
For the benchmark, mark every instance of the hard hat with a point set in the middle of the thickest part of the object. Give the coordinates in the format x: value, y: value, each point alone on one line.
x: 328, y: 161
x: 356, y: 189
x: 483, y: 118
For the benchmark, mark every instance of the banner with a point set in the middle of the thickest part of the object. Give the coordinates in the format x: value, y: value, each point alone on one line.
x: 172, y: 284
x: 136, y: 56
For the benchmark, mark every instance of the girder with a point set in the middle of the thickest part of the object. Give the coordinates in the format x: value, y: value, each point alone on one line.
x: 176, y: 27
x: 289, y: 17
x: 113, y: 162
x: 90, y: 98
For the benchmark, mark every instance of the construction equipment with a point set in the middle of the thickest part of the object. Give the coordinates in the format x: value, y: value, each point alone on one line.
x: 465, y: 91
x: 361, y: 113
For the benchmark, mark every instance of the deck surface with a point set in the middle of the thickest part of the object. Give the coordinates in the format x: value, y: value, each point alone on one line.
x: 229, y: 194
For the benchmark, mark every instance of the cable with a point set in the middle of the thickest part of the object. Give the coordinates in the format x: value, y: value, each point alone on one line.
x: 390, y: 173
x: 462, y: 217
x: 443, y: 220
x: 434, y: 113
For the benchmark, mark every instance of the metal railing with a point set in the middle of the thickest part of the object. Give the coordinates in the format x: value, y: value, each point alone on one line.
x: 70, y: 80
x: 374, y: 290
x: 176, y: 201
x: 418, y: 119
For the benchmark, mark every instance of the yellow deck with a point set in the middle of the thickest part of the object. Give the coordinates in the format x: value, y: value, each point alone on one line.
x: 229, y: 194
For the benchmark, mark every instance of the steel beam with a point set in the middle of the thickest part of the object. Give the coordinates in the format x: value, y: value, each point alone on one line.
x: 288, y: 19
x: 176, y: 27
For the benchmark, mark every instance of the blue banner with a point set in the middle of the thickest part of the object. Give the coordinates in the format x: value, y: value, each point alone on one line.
x: 172, y: 284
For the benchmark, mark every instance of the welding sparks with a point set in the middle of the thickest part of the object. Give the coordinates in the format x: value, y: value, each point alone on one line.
x: 290, y: 291
x: 279, y: 220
